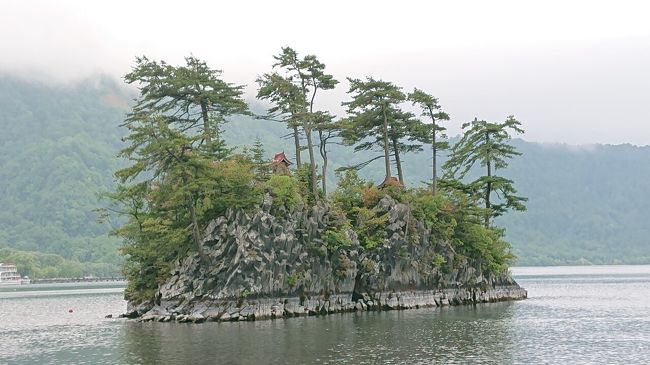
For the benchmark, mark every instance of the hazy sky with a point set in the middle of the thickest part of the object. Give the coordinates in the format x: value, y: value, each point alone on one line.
x: 571, y: 71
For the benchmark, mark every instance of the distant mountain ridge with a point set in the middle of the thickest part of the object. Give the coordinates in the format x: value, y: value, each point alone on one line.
x: 57, y: 150
x: 58, y: 146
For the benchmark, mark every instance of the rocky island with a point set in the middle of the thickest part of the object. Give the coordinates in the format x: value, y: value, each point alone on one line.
x: 260, y: 266
x: 219, y: 233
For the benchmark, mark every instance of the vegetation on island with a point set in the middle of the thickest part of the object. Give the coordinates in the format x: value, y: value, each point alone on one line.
x: 182, y: 174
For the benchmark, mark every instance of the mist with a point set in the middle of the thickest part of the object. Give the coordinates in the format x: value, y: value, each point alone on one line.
x: 572, y: 73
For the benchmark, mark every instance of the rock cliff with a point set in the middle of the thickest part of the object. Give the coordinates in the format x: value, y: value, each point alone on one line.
x: 273, y: 264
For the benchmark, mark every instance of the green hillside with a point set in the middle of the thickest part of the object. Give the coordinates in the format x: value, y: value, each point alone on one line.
x: 58, y: 146
x: 586, y: 205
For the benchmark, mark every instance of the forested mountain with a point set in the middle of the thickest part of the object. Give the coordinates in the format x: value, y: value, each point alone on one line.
x: 57, y: 150
x: 586, y: 205
x: 58, y: 147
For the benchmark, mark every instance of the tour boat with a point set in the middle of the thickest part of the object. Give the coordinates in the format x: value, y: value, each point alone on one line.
x: 9, y: 275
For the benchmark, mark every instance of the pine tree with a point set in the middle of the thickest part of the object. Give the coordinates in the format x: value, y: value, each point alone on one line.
x: 287, y: 103
x: 433, y: 132
x: 376, y: 121
x: 174, y: 138
x: 258, y: 156
x: 487, y: 144
x: 308, y: 75
x: 188, y: 96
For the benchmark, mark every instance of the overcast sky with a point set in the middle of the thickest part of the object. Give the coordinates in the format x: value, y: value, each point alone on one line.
x: 570, y: 71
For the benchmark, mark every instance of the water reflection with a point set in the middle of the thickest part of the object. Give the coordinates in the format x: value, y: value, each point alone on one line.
x: 414, y: 336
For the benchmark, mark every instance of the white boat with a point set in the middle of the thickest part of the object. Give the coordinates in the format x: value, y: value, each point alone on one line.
x: 9, y: 275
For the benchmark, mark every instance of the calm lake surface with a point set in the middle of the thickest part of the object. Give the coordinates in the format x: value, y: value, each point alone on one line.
x: 598, y: 314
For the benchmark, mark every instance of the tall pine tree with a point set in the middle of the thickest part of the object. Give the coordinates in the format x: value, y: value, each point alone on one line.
x: 308, y: 75
x: 431, y: 133
x: 191, y: 96
x: 376, y: 121
x: 487, y: 144
x: 287, y: 105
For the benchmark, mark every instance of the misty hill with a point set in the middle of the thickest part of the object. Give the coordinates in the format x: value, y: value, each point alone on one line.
x: 58, y: 147
x: 57, y: 150
x: 586, y: 205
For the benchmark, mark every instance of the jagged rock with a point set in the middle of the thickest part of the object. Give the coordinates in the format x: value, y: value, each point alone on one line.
x: 272, y: 265
x: 136, y: 310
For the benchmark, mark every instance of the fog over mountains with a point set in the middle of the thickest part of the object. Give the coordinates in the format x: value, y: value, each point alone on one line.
x: 58, y: 145
x: 575, y: 72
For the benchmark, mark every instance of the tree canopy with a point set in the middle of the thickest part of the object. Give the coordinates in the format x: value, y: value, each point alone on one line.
x: 487, y: 144
x: 189, y: 96
x: 373, y: 110
x: 293, y: 93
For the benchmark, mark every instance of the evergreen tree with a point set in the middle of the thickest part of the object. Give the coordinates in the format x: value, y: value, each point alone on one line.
x: 433, y: 132
x: 189, y: 96
x: 258, y: 157
x: 287, y: 103
x: 181, y: 174
x: 487, y: 144
x: 327, y: 129
x: 308, y: 75
x: 376, y: 121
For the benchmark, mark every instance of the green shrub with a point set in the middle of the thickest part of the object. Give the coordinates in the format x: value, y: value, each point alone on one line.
x: 285, y: 191
x: 371, y: 196
x: 486, y: 245
x: 303, y: 178
x: 349, y: 192
x: 292, y: 279
x: 436, y: 212
x: 334, y: 239
x: 438, y: 260
x: 370, y: 226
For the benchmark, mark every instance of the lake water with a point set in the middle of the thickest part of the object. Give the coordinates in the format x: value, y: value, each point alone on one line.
x: 573, y: 315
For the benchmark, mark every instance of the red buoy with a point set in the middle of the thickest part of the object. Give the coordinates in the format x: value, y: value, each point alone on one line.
x: 70, y: 310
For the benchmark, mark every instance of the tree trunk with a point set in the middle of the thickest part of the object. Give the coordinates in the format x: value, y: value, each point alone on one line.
x: 386, y: 151
x: 324, y: 183
x: 296, y: 141
x: 196, y: 232
x: 307, y: 128
x: 398, y: 161
x: 323, y: 154
x: 312, y: 158
x: 206, y: 122
x: 488, y: 189
x: 312, y: 161
x: 434, y: 180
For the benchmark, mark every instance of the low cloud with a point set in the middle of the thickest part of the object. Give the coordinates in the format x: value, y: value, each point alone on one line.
x: 576, y: 82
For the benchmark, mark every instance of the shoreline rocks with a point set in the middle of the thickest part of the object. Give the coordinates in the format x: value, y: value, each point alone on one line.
x: 273, y: 308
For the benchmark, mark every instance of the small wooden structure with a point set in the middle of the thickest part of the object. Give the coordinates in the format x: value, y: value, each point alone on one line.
x: 280, y: 164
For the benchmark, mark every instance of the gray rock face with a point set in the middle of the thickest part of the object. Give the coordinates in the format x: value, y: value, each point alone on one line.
x: 276, y: 265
